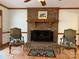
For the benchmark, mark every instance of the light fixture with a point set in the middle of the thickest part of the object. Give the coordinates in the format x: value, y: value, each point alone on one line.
x: 60, y: 0
x: 43, y: 2
x: 27, y: 0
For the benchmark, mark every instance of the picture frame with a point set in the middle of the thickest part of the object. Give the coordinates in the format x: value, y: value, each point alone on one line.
x: 42, y: 14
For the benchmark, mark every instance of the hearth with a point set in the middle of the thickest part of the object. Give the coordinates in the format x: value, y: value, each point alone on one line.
x: 42, y: 35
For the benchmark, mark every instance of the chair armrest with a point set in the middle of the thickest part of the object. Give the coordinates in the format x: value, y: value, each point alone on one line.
x: 61, y: 41
x: 10, y: 38
x: 22, y: 38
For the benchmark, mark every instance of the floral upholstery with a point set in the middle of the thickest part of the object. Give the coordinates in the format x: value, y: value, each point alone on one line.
x: 69, y: 38
x: 16, y: 38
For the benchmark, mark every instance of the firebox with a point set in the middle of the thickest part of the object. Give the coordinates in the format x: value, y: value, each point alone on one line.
x: 42, y: 35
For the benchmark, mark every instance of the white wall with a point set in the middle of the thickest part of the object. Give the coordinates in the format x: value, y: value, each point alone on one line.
x: 18, y: 18
x: 5, y: 24
x: 68, y: 19
x: 0, y: 21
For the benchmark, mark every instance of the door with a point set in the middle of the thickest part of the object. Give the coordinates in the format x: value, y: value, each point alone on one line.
x: 0, y: 27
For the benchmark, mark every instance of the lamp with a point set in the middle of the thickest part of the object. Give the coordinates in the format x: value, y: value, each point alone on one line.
x: 43, y: 2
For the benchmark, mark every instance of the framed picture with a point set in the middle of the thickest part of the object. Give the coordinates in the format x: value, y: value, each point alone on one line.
x: 42, y: 14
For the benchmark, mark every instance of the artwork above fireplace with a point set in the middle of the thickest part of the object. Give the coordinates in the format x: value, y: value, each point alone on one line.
x: 42, y: 35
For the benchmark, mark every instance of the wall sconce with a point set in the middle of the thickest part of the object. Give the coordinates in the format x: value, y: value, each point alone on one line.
x: 43, y: 2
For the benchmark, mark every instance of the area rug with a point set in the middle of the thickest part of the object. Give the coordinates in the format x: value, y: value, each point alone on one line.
x: 42, y: 52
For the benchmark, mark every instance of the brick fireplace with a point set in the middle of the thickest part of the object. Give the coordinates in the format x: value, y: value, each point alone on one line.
x: 48, y: 22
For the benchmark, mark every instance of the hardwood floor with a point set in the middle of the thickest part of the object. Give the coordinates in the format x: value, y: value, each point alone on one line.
x: 18, y: 53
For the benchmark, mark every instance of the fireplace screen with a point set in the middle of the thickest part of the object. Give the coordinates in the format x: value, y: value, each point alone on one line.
x: 42, y: 35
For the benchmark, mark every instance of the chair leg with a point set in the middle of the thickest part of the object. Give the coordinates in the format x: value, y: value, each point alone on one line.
x: 75, y: 53
x: 23, y: 47
x: 10, y: 49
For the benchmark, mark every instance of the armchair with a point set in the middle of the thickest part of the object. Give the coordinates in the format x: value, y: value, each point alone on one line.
x: 68, y: 40
x: 16, y: 38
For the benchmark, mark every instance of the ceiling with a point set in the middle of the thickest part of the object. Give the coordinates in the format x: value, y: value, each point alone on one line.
x: 36, y: 3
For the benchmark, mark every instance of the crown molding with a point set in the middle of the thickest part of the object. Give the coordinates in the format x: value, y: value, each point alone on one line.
x: 4, y: 6
x: 48, y: 7
x: 16, y: 8
x: 70, y: 8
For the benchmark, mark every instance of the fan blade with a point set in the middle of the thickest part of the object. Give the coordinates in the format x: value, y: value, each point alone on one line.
x: 27, y: 0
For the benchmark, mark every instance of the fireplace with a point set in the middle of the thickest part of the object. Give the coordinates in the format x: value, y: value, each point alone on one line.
x: 42, y: 30
x: 42, y: 35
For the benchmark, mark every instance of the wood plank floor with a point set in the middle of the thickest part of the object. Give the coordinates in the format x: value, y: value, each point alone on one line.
x: 18, y: 53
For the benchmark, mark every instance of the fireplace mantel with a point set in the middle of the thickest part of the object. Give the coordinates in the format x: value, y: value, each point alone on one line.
x: 42, y: 21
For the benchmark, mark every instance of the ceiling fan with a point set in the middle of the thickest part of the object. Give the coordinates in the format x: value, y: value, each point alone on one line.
x: 42, y: 2
x: 27, y: 0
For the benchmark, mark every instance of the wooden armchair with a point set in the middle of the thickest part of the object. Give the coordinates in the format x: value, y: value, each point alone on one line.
x: 69, y: 40
x: 16, y: 38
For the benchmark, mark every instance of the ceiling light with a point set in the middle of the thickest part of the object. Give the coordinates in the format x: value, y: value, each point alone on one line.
x: 43, y: 2
x: 26, y: 0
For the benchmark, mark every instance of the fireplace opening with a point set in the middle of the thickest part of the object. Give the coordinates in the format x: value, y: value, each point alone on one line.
x: 42, y: 35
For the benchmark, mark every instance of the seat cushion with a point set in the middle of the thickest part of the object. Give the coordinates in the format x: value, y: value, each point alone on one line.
x: 69, y: 44
x: 16, y: 42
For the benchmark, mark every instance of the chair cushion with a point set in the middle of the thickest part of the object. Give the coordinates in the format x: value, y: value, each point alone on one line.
x: 69, y: 44
x: 16, y: 42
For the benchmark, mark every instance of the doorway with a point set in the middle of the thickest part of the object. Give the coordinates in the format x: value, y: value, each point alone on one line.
x: 0, y: 27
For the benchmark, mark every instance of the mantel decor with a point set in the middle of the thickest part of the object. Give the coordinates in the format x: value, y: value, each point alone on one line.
x: 42, y: 14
